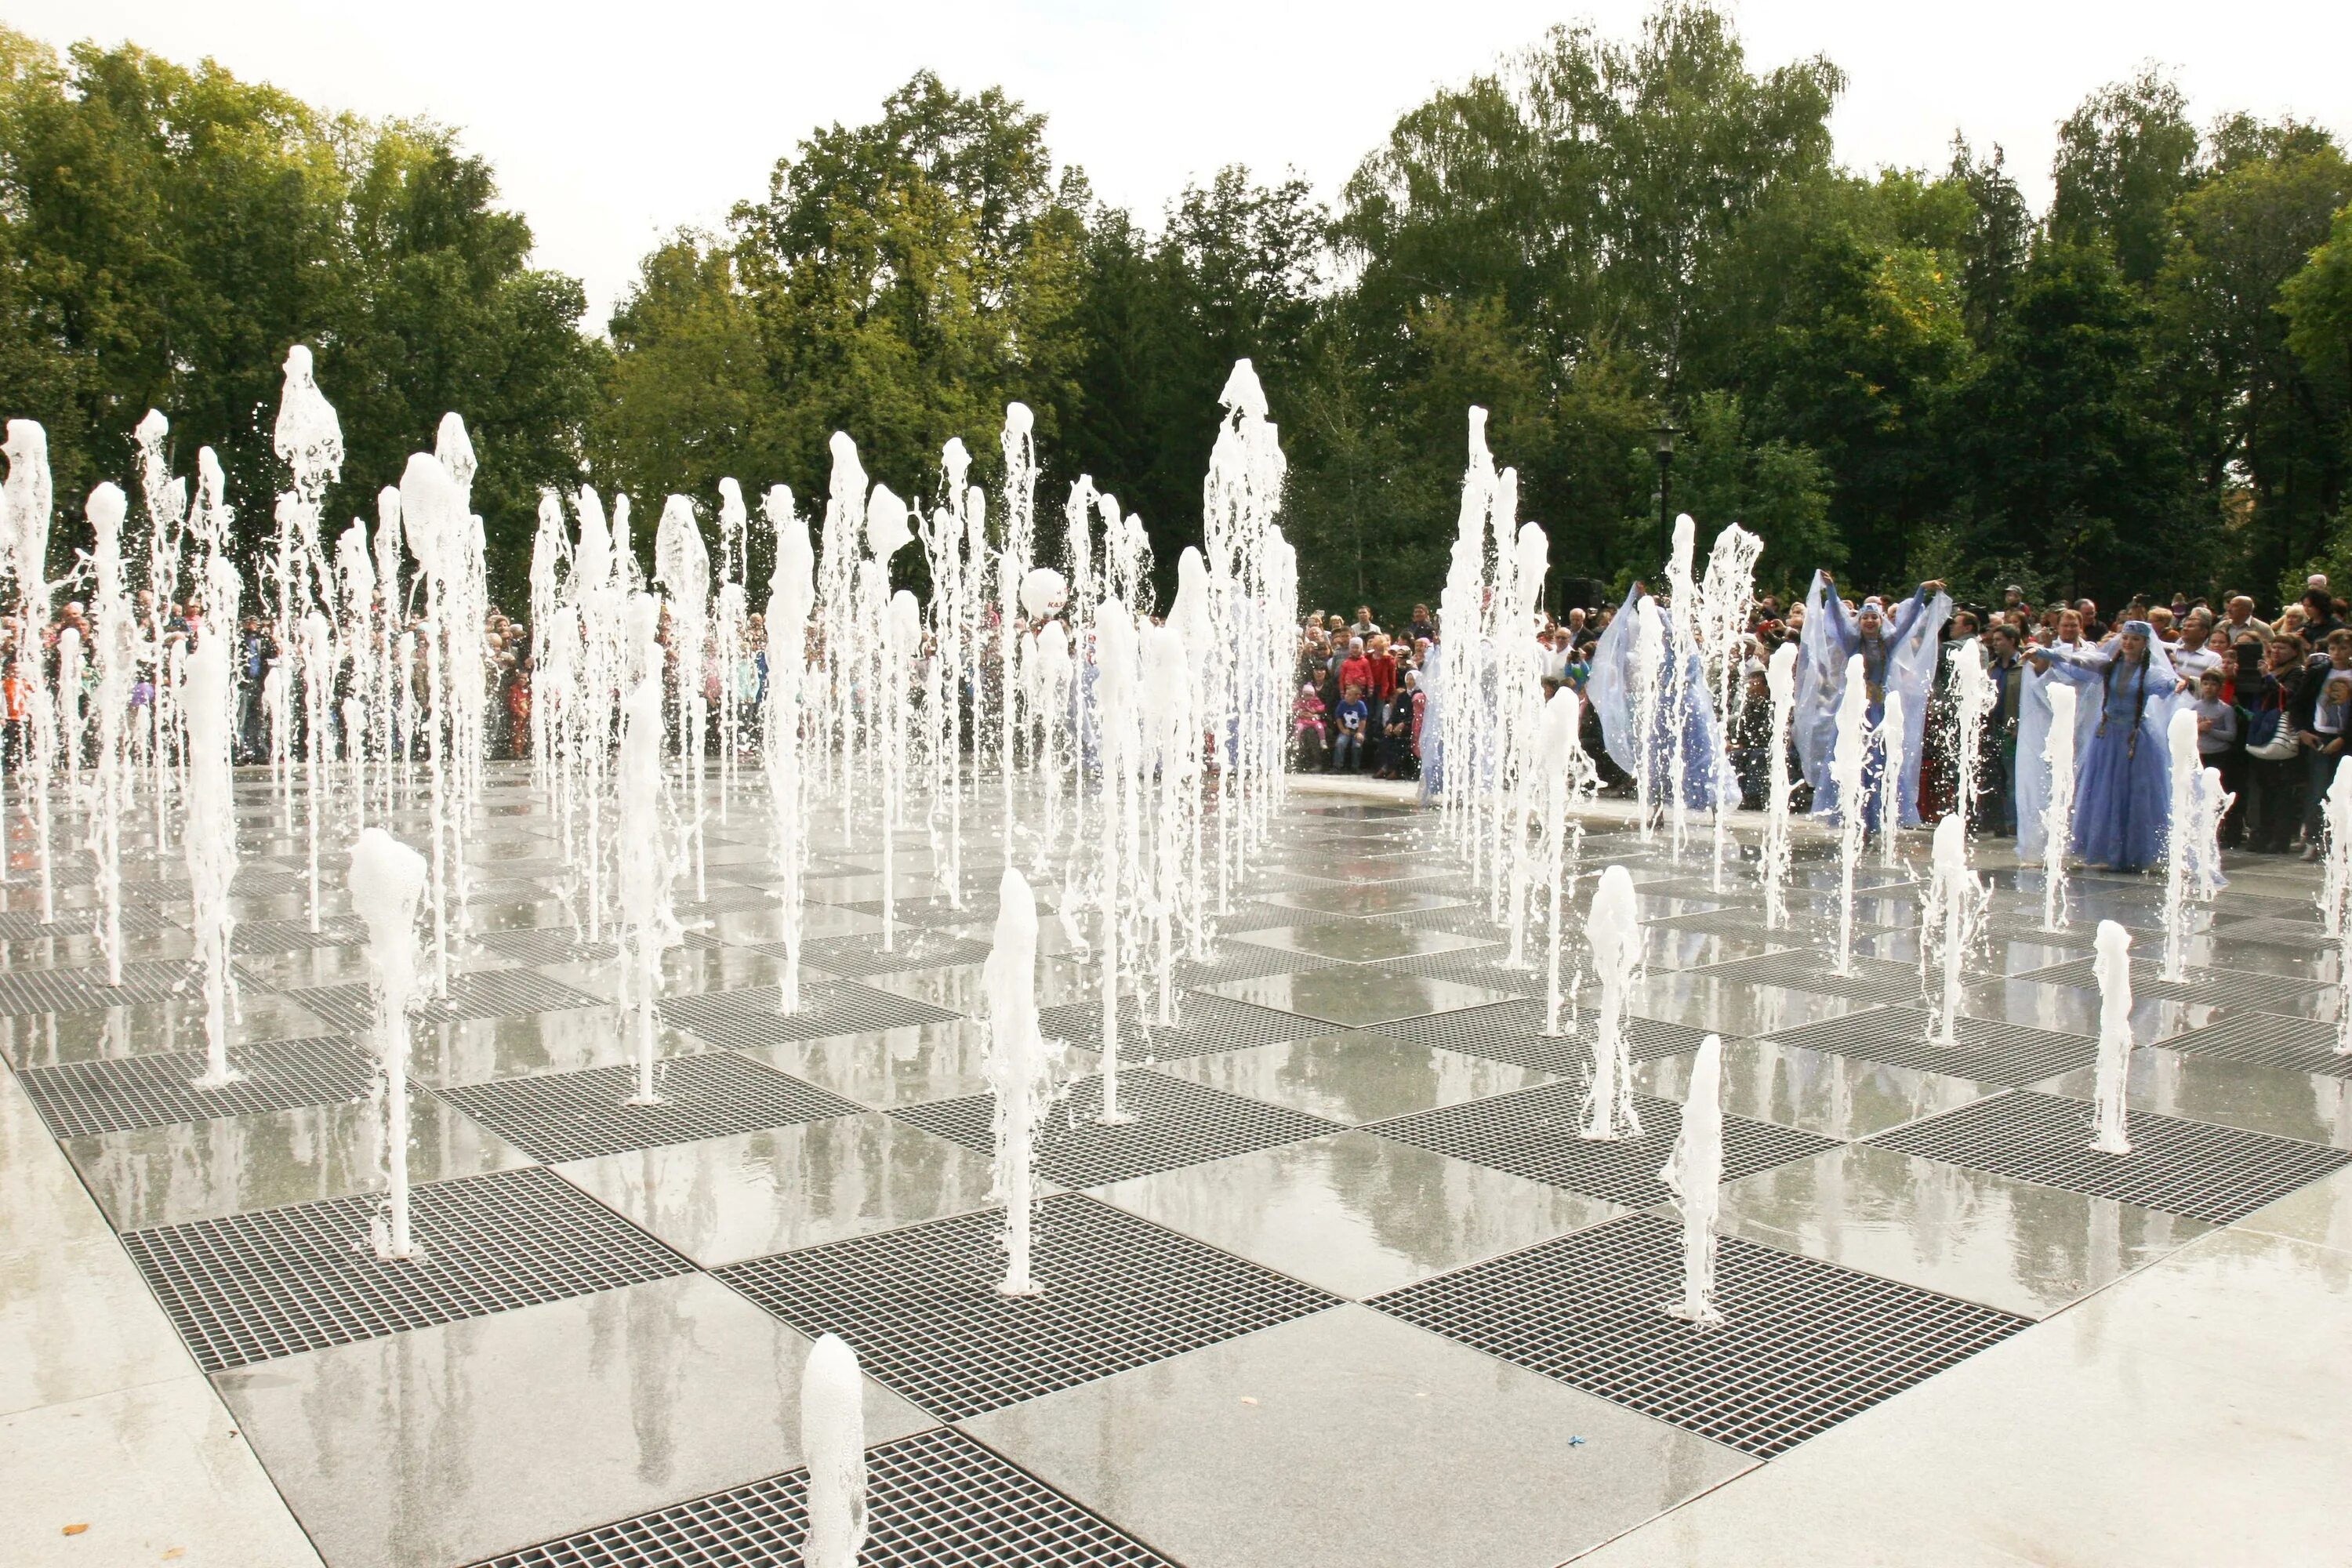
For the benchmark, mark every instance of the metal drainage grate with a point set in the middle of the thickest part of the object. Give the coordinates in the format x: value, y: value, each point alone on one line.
x: 2266, y: 1039
x: 1177, y: 1123
x: 1203, y: 1024
x: 31, y: 991
x: 1484, y: 967
x: 252, y: 938
x: 484, y: 994
x: 2215, y: 1173
x: 250, y: 1287
x: 2271, y: 930
x: 928, y: 910
x: 1802, y: 927
x: 1246, y: 961
x: 253, y: 883
x: 117, y: 1094
x: 2217, y: 987
x: 920, y: 1306
x: 1990, y: 1051
x: 1871, y: 979
x: 578, y: 1115
x: 1512, y: 1032
x: 936, y: 1499
x: 922, y: 948
x: 1532, y: 1132
x: 750, y: 1017
x: 27, y: 925
x: 1249, y: 915
x: 1805, y: 1343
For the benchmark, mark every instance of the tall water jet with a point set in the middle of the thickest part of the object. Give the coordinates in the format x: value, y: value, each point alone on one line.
x: 2111, y: 963
x: 1648, y: 704
x: 1975, y: 694
x: 902, y: 645
x: 2058, y: 814
x: 682, y: 570
x: 116, y: 653
x: 1614, y: 929
x: 1019, y: 1070
x: 1780, y: 681
x: 2336, y: 865
x: 1848, y: 766
x: 833, y: 1446
x: 1950, y: 908
x: 1681, y: 591
x: 792, y: 596
x: 387, y: 882
x: 1562, y: 770
x: 2181, y: 854
x: 1726, y: 603
x: 1694, y: 1174
x: 1118, y: 655
x: 645, y: 862
x: 165, y: 501
x: 1173, y: 755
x: 1018, y: 444
x: 208, y: 833
x: 30, y: 502
x: 1891, y: 752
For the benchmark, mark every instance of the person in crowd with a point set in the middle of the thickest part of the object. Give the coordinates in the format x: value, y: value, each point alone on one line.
x: 1897, y: 649
x: 1309, y: 740
x: 2123, y: 788
x: 1351, y: 720
x: 2319, y: 716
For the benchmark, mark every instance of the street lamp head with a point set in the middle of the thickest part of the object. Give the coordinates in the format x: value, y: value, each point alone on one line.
x: 1663, y: 438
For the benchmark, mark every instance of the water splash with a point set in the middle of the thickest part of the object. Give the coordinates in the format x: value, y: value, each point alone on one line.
x: 1694, y: 1174
x: 386, y: 882
x: 1614, y: 929
x: 2111, y: 963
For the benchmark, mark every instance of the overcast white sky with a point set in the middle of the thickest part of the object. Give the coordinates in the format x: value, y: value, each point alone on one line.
x: 611, y: 124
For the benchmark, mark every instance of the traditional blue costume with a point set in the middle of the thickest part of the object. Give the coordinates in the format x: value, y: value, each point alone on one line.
x: 2123, y: 788
x: 1898, y: 661
x: 1681, y: 714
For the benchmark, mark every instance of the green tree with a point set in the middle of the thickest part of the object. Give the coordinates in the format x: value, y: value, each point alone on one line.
x: 2124, y: 157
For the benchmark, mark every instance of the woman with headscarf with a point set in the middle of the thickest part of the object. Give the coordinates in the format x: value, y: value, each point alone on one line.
x: 2123, y: 793
x: 1898, y: 651
x: 1663, y: 714
x: 2033, y: 685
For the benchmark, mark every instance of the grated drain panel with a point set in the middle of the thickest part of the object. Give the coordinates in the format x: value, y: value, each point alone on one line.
x: 724, y: 899
x: 1872, y: 980
x: 2214, y: 1174
x: 1484, y: 966
x: 1177, y: 1123
x: 580, y: 1115
x: 937, y: 1500
x: 920, y: 1305
x: 27, y: 925
x: 1990, y: 1051
x: 750, y: 1017
x: 2273, y: 931
x: 2217, y: 987
x: 1249, y: 915
x: 1533, y: 1132
x: 484, y: 994
x: 1203, y: 1024
x: 31, y: 991
x: 852, y: 956
x: 252, y: 883
x: 1805, y: 1344
x: 251, y: 1287
x: 117, y: 1094
x: 2267, y: 1040
x: 256, y: 938
x: 1244, y: 961
x: 1513, y: 1032
x: 931, y: 909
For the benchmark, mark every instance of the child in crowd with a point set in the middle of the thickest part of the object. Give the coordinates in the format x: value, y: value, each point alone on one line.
x: 2217, y: 720
x: 1308, y: 739
x: 1348, y: 745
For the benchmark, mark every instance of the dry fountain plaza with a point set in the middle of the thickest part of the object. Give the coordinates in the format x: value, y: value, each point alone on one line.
x: 1349, y: 1290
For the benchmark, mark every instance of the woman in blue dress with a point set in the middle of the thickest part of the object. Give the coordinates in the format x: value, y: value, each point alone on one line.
x: 1677, y: 717
x: 2122, y: 789
x: 1898, y: 649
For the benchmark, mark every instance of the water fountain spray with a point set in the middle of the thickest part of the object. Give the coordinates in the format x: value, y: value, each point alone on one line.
x: 1648, y: 700
x: 1950, y: 908
x: 1118, y: 657
x: 1848, y: 766
x: 1614, y: 929
x: 1891, y: 752
x: 1019, y: 446
x: 1975, y: 695
x: 387, y: 882
x: 1780, y: 681
x: 730, y: 621
x: 1726, y: 602
x: 1019, y: 1070
x: 2186, y: 773
x: 209, y: 836
x: 833, y: 1446
x: 165, y: 501
x: 31, y: 502
x: 116, y: 651
x: 1565, y: 772
x: 2058, y: 814
x: 1172, y: 757
x: 2336, y: 865
x: 682, y: 570
x: 2111, y: 962
x: 792, y: 597
x: 1680, y: 629
x: 647, y: 861
x: 1694, y: 1174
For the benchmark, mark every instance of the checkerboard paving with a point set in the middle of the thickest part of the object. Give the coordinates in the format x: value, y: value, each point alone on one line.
x: 920, y: 1306
x: 1807, y: 1342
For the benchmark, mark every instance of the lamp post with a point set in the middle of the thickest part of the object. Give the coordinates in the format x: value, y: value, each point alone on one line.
x: 1662, y: 441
